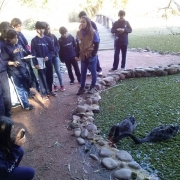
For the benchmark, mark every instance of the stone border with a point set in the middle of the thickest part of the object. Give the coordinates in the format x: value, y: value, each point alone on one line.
x: 84, y: 128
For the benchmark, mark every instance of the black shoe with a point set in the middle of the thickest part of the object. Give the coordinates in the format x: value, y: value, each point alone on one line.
x: 111, y: 70
x: 71, y: 82
x: 30, y: 107
x: 52, y: 93
x: 92, y: 90
x: 81, y: 91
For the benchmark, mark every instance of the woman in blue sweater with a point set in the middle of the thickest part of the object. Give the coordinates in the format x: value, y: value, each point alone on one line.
x: 11, y: 153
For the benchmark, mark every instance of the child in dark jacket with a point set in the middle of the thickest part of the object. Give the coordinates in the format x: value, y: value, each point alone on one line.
x: 43, y: 50
x: 5, y: 97
x: 17, y: 68
x: 16, y: 25
x: 11, y: 153
x: 67, y: 54
x: 121, y: 28
x: 55, y: 57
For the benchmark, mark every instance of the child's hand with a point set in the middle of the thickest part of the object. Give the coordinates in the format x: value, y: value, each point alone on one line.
x: 20, y: 140
x: 37, y: 66
x: 16, y: 63
x: 17, y: 50
x: 46, y: 59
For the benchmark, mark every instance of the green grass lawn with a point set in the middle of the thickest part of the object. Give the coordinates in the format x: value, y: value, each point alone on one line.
x: 153, y: 101
x: 158, y: 39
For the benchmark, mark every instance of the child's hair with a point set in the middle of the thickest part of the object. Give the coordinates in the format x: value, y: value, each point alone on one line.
x: 10, y: 34
x: 40, y: 25
x: 89, y: 28
x: 82, y: 13
x: 121, y: 13
x: 4, y: 26
x: 5, y: 134
x: 62, y: 30
x: 15, y: 22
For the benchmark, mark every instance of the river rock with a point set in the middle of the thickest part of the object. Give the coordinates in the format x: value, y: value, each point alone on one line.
x: 124, y: 156
x: 124, y: 174
x: 77, y: 132
x: 105, y: 152
x: 134, y: 165
x: 91, y: 127
x: 81, y: 109
x: 109, y: 163
x: 84, y: 133
x: 80, y: 141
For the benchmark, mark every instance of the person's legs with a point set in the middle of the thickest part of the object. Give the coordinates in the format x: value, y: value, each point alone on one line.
x: 42, y: 81
x: 20, y: 157
x: 99, y: 69
x: 84, y: 67
x: 76, y: 69
x: 56, y: 64
x: 123, y: 52
x: 92, y: 62
x: 69, y: 68
x: 21, y: 173
x: 2, y: 109
x: 49, y: 74
x: 23, y: 94
x: 34, y: 80
x: 6, y: 93
x: 116, y: 57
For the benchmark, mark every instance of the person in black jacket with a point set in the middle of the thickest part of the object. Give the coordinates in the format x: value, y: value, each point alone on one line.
x: 11, y: 153
x: 67, y: 54
x: 16, y: 25
x: 5, y: 97
x: 121, y: 28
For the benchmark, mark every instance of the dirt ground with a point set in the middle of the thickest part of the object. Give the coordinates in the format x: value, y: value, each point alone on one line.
x: 50, y: 147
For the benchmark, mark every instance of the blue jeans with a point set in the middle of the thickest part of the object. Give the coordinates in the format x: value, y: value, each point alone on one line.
x: 56, y: 64
x: 22, y: 90
x: 90, y: 63
x: 21, y: 173
x: 123, y: 49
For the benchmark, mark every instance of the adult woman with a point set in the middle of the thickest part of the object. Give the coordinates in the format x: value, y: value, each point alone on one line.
x: 11, y: 153
x: 87, y: 47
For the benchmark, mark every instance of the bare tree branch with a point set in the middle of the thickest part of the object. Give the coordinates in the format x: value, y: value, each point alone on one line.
x: 177, y: 5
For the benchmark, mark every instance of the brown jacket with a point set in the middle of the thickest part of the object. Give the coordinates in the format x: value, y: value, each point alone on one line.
x: 85, y: 44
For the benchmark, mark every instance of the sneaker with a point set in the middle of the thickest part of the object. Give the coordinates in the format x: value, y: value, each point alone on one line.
x: 88, y: 73
x: 81, y: 91
x: 52, y: 93
x: 71, y: 82
x: 99, y: 73
x: 30, y: 107
x: 62, y: 88
x: 123, y: 69
x: 55, y: 88
x: 111, y: 70
x: 92, y: 90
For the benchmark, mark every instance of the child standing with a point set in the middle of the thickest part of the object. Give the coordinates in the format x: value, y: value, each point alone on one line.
x: 55, y: 58
x: 88, y: 44
x: 16, y: 25
x: 67, y: 54
x: 5, y: 97
x: 17, y: 68
x: 43, y: 50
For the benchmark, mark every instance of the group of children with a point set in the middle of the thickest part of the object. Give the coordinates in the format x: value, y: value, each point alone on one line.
x: 15, y: 62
